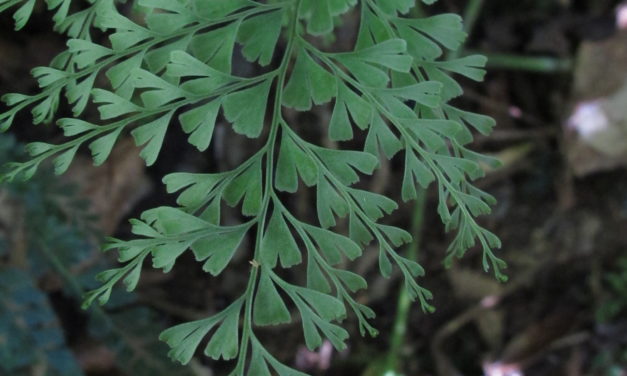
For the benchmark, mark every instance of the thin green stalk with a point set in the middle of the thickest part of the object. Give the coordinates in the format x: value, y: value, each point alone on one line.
x: 399, y: 330
x: 539, y: 64
x: 247, y: 330
x: 471, y: 14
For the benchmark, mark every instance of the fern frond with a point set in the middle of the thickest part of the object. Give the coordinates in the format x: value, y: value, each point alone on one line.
x: 394, y: 86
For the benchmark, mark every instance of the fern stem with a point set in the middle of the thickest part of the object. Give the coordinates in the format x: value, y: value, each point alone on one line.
x: 247, y: 330
x: 274, y: 128
x: 471, y: 14
x: 399, y: 329
x: 538, y: 64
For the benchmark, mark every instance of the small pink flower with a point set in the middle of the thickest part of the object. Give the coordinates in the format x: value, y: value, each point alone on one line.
x: 621, y: 16
x: 515, y: 112
x: 502, y: 369
x: 320, y: 360
x: 588, y: 119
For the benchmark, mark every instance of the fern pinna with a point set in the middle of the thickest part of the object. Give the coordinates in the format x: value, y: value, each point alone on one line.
x: 177, y: 69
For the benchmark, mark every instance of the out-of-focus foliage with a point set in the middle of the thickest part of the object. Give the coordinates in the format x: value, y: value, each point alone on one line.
x: 31, y: 339
x: 176, y: 67
x: 615, y: 302
x: 612, y: 359
x: 45, y: 232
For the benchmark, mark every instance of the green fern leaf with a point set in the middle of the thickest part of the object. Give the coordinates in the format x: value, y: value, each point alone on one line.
x: 182, y: 62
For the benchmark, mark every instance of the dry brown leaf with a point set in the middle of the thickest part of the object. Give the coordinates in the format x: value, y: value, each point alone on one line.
x: 596, y: 130
x: 473, y: 285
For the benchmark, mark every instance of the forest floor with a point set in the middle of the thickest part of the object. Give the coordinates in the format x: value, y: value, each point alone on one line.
x: 562, y: 311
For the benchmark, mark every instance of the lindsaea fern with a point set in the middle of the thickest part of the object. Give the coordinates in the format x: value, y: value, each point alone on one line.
x: 176, y: 69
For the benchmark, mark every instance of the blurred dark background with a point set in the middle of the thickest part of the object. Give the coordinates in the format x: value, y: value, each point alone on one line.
x: 556, y: 84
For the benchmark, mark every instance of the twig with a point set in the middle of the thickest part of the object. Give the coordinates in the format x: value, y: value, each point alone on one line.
x: 536, y: 64
x: 399, y: 330
x: 471, y: 14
